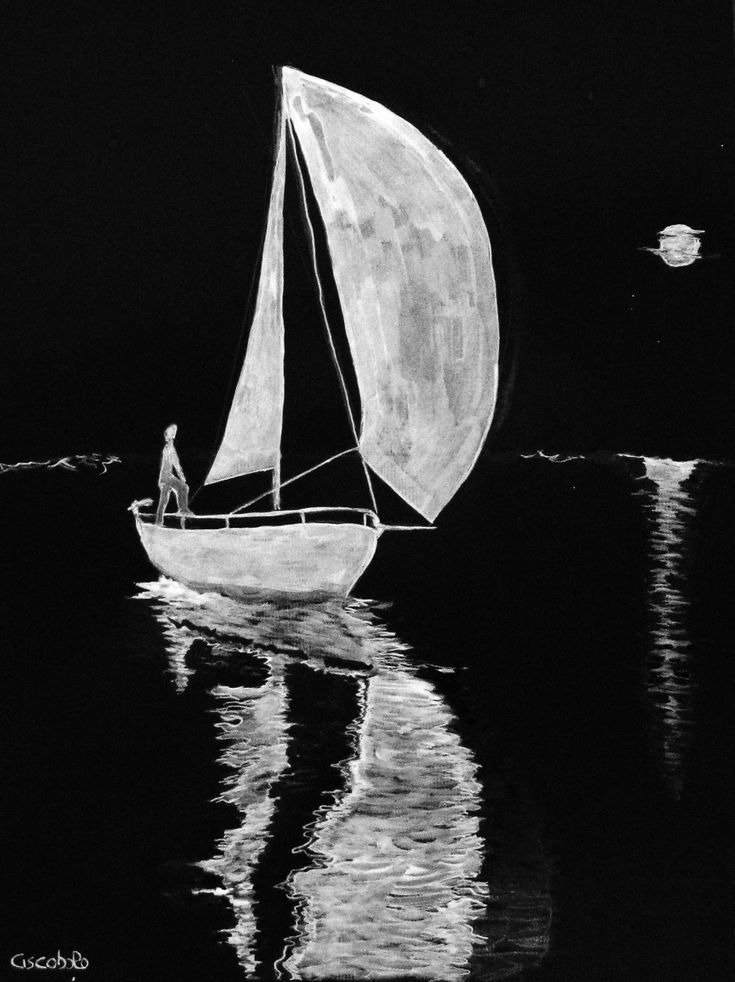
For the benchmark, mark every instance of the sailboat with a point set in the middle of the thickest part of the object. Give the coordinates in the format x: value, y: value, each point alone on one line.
x: 412, y: 266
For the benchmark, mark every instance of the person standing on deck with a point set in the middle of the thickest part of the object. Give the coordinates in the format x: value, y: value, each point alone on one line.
x: 171, y: 477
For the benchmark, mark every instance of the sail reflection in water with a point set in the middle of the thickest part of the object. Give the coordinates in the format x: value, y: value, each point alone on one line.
x: 393, y: 888
x: 253, y: 727
x: 670, y: 507
x: 392, y: 884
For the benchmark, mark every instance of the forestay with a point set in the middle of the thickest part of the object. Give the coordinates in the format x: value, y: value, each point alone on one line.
x: 252, y: 439
x: 412, y: 265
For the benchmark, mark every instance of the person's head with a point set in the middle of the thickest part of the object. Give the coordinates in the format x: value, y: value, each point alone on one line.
x: 170, y: 432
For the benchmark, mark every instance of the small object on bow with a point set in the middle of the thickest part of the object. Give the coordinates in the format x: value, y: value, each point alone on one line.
x: 143, y: 503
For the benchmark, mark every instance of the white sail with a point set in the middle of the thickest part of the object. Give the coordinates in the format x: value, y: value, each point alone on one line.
x: 252, y: 439
x: 412, y: 265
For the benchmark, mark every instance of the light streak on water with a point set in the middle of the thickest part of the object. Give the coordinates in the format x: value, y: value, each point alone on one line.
x: 670, y: 509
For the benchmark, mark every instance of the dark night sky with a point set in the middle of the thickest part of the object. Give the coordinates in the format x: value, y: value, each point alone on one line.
x: 136, y: 184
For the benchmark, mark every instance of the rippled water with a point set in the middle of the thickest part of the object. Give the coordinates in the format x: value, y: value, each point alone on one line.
x: 253, y: 727
x: 389, y: 885
x: 518, y: 767
x: 671, y: 508
x: 393, y: 885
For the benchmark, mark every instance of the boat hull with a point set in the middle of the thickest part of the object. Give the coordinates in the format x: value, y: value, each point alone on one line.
x: 314, y: 559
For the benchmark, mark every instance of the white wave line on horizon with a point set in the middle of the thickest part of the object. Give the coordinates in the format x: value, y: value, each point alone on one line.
x: 559, y: 458
x: 555, y: 458
x: 72, y: 462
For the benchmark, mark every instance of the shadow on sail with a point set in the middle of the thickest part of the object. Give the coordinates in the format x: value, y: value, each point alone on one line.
x: 670, y: 508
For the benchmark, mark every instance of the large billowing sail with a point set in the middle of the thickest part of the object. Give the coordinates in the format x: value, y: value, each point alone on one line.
x: 252, y: 440
x: 412, y: 265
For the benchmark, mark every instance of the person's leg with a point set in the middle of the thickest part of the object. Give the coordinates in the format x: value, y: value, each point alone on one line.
x: 181, y: 490
x: 184, y: 498
x: 162, y: 502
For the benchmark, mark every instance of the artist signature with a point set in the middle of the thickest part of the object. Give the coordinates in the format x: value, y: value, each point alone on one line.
x: 58, y: 962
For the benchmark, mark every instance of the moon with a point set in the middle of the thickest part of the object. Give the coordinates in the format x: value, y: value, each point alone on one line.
x: 678, y: 245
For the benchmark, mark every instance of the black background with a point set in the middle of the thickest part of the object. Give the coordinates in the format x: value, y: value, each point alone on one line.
x: 139, y: 157
x: 138, y: 163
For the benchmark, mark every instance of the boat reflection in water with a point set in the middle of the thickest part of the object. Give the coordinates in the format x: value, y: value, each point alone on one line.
x: 385, y: 881
x: 670, y: 508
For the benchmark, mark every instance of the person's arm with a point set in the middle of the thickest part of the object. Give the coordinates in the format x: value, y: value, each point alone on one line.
x: 176, y: 464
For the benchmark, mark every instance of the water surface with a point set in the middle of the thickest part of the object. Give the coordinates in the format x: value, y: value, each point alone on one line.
x: 514, y: 761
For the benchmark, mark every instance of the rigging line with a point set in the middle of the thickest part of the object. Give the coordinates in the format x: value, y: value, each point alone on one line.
x: 311, y: 470
x: 312, y: 245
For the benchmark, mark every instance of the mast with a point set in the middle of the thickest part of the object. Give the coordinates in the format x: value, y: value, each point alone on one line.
x: 278, y: 137
x: 292, y: 144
